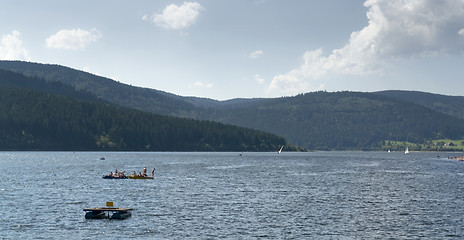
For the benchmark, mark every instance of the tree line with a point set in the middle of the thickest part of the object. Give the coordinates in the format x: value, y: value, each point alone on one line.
x: 343, y: 120
x: 33, y: 120
x: 316, y: 120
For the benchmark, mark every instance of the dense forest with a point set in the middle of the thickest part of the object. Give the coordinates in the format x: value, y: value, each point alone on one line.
x: 344, y: 120
x: 317, y: 120
x: 145, y: 99
x: 32, y: 120
x: 451, y: 105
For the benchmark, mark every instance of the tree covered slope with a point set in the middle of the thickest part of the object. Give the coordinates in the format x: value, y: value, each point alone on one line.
x: 41, y: 120
x: 344, y: 120
x: 451, y: 105
x: 318, y: 120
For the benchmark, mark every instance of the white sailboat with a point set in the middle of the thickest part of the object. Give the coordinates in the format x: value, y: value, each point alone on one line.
x: 406, y: 151
x: 280, y: 150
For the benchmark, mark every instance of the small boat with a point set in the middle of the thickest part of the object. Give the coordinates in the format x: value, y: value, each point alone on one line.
x: 406, y: 151
x: 144, y: 175
x: 280, y: 150
x: 100, y: 213
x: 115, y: 177
x: 457, y: 158
x: 139, y: 177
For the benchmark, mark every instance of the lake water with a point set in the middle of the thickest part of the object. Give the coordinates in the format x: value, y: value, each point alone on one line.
x: 316, y: 195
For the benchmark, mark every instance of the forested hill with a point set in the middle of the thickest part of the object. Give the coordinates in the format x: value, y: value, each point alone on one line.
x: 144, y: 99
x: 32, y: 120
x: 318, y: 120
x: 16, y: 80
x: 451, y: 105
x: 344, y: 120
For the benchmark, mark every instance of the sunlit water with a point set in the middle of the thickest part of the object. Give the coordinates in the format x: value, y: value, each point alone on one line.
x: 317, y: 195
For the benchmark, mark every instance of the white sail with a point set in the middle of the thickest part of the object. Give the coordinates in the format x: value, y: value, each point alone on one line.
x: 406, y: 151
x: 280, y: 150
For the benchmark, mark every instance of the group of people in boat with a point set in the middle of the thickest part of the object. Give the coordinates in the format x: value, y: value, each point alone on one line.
x: 144, y: 174
x: 116, y: 174
x: 121, y: 174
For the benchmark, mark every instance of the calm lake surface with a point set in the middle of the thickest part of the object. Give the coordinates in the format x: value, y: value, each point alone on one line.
x: 316, y: 195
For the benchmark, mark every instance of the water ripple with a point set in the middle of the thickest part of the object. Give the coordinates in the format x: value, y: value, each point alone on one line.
x: 322, y: 195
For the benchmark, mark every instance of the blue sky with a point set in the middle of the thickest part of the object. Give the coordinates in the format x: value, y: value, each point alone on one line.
x: 225, y: 49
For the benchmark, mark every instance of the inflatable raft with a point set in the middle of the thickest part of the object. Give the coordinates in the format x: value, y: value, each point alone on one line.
x: 114, y: 177
x: 139, y: 177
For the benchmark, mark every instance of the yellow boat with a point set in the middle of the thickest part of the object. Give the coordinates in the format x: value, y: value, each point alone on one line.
x: 142, y: 176
x: 139, y: 177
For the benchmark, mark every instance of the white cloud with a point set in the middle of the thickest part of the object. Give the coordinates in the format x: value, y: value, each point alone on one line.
x: 177, y: 17
x: 290, y: 85
x: 74, y: 39
x: 11, y: 47
x: 203, y: 85
x: 396, y: 30
x: 256, y: 54
x: 258, y: 78
x: 461, y: 32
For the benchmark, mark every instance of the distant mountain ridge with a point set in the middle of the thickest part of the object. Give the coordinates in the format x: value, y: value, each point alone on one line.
x: 451, y: 105
x: 145, y: 99
x: 318, y: 120
x: 344, y: 120
x: 39, y: 115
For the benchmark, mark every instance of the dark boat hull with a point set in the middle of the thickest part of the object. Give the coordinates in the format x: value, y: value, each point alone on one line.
x: 99, y: 213
x: 111, y: 177
x: 95, y: 215
x: 120, y: 215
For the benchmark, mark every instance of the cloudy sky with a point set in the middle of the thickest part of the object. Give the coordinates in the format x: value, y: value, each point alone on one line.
x: 225, y: 49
